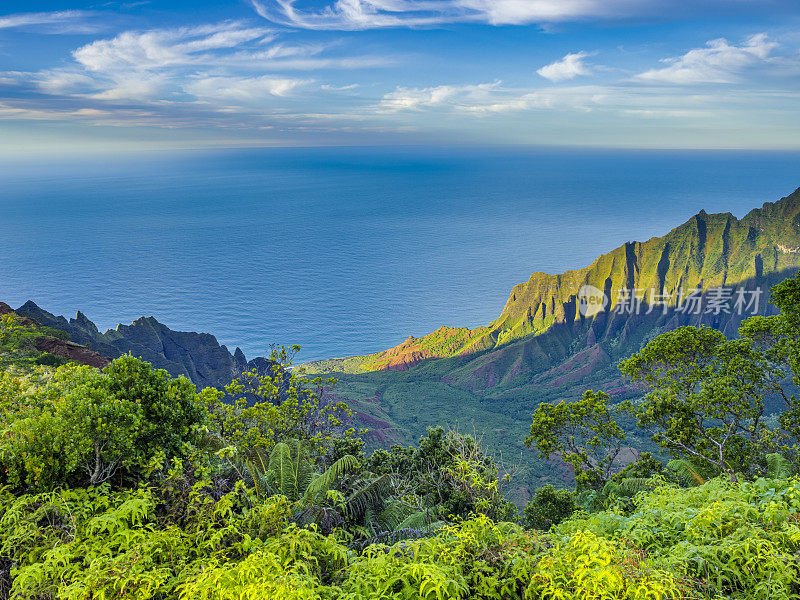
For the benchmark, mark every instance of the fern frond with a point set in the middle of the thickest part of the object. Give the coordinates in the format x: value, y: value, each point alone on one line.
x: 320, y: 485
x: 684, y: 470
x: 280, y: 470
x: 779, y: 467
x: 392, y: 515
x: 369, y: 496
x: 417, y: 520
x: 632, y: 486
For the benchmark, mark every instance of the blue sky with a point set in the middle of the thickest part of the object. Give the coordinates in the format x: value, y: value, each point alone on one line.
x: 95, y: 76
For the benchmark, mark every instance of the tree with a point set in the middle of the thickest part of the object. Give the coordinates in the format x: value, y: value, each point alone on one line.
x: 261, y: 410
x: 778, y: 338
x: 76, y: 425
x: 549, y: 507
x: 705, y: 400
x: 583, y: 432
x: 172, y: 413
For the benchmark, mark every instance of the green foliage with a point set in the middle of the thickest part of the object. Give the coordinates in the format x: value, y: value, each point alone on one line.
x: 141, y: 543
x: 17, y: 347
x: 341, y: 494
x: 549, y: 507
x: 586, y: 566
x: 76, y: 425
x: 183, y: 540
x: 731, y: 540
x: 128, y: 484
x: 449, y: 475
x: 262, y: 410
x: 583, y: 432
x: 705, y: 402
x: 778, y: 338
x: 172, y: 412
x: 778, y: 467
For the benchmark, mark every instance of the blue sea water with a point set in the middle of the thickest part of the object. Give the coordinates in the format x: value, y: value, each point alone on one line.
x: 343, y: 251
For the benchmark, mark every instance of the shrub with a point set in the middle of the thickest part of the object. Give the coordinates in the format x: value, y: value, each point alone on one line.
x: 78, y: 426
x: 549, y: 507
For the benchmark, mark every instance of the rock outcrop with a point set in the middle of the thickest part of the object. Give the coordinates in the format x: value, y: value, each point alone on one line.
x: 40, y: 339
x: 198, y: 356
x: 71, y: 351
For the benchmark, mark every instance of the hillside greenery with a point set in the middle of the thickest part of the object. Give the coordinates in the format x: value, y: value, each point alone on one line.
x: 127, y: 483
x: 17, y: 338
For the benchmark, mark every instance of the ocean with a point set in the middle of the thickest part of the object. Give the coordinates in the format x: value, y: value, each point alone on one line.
x: 341, y: 250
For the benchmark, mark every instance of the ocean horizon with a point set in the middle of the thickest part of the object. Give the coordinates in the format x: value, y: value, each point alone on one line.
x: 343, y: 251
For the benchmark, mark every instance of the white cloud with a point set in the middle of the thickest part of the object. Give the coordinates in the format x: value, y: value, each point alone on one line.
x: 487, y: 99
x: 375, y: 14
x: 226, y: 63
x: 623, y: 100
x: 43, y: 18
x: 59, y: 82
x: 160, y: 48
x: 143, y: 87
x: 520, y: 12
x: 241, y: 89
x: 339, y: 88
x: 418, y: 98
x: 718, y: 62
x: 568, y: 67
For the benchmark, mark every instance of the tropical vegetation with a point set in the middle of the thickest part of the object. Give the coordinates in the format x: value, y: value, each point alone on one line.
x: 127, y: 483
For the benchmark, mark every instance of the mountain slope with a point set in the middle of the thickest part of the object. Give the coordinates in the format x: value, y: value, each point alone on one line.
x: 25, y: 342
x: 198, y: 356
x: 708, y: 251
x: 541, y: 349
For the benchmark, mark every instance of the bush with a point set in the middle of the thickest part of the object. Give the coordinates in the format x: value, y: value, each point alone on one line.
x: 733, y: 540
x: 78, y: 426
x: 549, y: 507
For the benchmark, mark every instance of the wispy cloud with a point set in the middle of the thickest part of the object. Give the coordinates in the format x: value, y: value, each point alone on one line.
x: 403, y: 99
x: 65, y: 21
x: 353, y: 15
x: 226, y: 62
x: 624, y: 99
x: 159, y: 48
x: 486, y: 99
x: 376, y: 14
x: 569, y: 67
x: 718, y: 62
x: 217, y: 75
x: 242, y: 90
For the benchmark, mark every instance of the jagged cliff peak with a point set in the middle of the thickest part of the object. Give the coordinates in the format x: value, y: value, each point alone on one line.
x: 709, y: 250
x: 198, y: 356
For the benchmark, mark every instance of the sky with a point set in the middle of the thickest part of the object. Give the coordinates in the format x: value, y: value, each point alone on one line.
x: 89, y: 76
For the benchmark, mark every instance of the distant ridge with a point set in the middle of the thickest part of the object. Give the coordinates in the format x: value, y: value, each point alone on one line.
x: 198, y: 356
x: 708, y: 251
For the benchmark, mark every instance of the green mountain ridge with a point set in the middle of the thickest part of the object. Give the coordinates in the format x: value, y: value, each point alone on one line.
x: 708, y: 251
x: 541, y: 349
